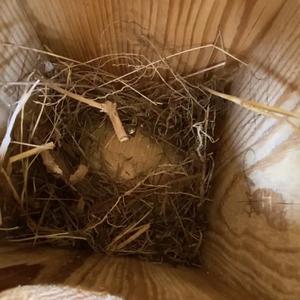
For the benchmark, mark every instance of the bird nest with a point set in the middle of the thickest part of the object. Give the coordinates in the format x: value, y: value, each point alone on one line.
x: 120, y: 163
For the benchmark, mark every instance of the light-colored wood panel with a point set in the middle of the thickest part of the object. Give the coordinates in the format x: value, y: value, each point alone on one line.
x: 132, y: 279
x: 15, y: 28
x: 255, y: 236
x: 85, y: 29
x: 255, y: 227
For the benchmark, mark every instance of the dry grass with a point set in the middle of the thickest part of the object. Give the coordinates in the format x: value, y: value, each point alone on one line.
x: 62, y: 199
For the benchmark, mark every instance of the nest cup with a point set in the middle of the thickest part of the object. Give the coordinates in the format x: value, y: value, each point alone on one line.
x: 122, y: 166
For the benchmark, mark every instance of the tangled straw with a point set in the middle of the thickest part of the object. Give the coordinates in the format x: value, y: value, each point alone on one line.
x: 62, y: 198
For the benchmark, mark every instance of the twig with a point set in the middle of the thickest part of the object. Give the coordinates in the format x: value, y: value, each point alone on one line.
x: 39, y: 51
x: 130, y: 228
x: 79, y: 174
x: 10, y: 184
x: 49, y: 236
x: 9, y: 228
x: 140, y: 231
x: 28, y: 153
x: 253, y: 105
x: 207, y: 69
x: 108, y: 107
x: 171, y: 56
x: 50, y: 163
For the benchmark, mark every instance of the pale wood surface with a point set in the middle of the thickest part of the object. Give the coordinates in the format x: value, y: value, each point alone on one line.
x: 86, y: 29
x: 254, y: 237
x: 129, y: 278
x: 255, y: 224
x: 14, y: 27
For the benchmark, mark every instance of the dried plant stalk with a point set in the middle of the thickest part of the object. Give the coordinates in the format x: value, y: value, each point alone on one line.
x: 140, y: 230
x: 50, y: 163
x: 108, y: 107
x: 79, y: 174
x: 28, y: 153
x: 253, y: 105
x: 11, y: 186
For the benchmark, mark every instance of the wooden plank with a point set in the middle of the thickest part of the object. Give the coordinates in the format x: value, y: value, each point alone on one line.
x: 255, y: 227
x: 255, y: 234
x: 15, y: 28
x: 86, y: 29
x: 129, y: 278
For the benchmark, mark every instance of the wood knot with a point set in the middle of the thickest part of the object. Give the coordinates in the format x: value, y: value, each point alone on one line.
x: 265, y: 201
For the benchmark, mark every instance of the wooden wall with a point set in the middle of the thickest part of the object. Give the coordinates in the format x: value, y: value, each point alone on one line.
x: 129, y: 278
x: 255, y: 220
x: 16, y: 28
x: 254, y: 240
x: 85, y: 29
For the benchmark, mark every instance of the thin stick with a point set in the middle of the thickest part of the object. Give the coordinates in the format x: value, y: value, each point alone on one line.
x: 171, y: 56
x: 50, y: 163
x: 79, y: 174
x: 79, y: 98
x: 40, y: 51
x: 9, y: 182
x: 253, y: 105
x: 106, y: 215
x: 46, y: 82
x: 31, y: 152
x: 221, y: 64
x: 139, y: 232
x: 111, y: 110
x: 40, y: 114
x: 50, y: 236
x: 9, y: 228
x: 127, y: 230
x: 108, y: 107
x: 28, y: 153
x: 24, y: 144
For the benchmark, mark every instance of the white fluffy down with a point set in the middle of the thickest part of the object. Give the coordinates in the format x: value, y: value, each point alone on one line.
x: 53, y: 292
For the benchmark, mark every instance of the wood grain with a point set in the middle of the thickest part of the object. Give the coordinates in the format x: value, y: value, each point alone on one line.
x: 255, y: 227
x: 14, y: 27
x: 254, y: 237
x: 85, y: 29
x: 125, y: 277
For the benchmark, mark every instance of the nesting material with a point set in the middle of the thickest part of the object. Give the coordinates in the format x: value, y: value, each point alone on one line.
x: 118, y: 163
x: 129, y: 161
